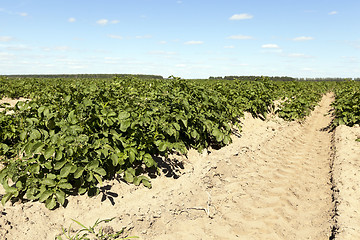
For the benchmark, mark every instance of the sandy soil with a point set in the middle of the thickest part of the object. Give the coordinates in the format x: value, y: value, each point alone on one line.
x: 273, y: 182
x: 347, y: 182
x: 12, y: 102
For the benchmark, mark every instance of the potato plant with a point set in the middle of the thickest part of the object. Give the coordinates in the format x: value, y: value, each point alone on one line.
x: 76, y: 133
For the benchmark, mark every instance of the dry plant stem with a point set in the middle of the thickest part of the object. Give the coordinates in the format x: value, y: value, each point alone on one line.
x: 207, y: 209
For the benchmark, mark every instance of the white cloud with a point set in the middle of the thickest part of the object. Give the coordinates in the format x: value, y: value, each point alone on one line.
x: 241, y: 16
x: 106, y: 21
x: 180, y: 65
x: 77, y: 66
x: 115, y: 36
x: 163, y: 42
x: 350, y: 59
x: 102, y: 21
x: 333, y: 13
x: 18, y: 47
x: 355, y: 44
x: 303, y: 38
x: 270, y: 45
x: 23, y: 14
x: 71, y: 19
x: 299, y: 55
x: 6, y: 38
x: 162, y: 53
x: 193, y: 42
x: 179, y: 2
x: 112, y: 58
x: 62, y: 48
x: 229, y: 46
x: 6, y: 56
x: 143, y: 37
x: 240, y: 37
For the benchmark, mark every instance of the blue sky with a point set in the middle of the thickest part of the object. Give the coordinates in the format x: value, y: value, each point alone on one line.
x: 186, y: 38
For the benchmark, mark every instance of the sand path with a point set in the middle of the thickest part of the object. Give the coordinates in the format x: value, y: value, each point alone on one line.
x: 286, y: 190
x: 346, y: 175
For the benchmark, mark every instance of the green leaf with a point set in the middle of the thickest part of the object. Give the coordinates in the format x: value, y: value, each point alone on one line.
x: 131, y: 170
x: 100, y: 171
x: 79, y: 172
x: 60, y: 196
x: 81, y: 190
x: 6, y: 198
x: 177, y: 126
x: 115, y: 159
x: 132, y: 156
x: 124, y: 125
x: 92, y: 165
x: 73, y: 169
x: 89, y: 176
x: 51, y: 176
x: 137, y: 181
x: 128, y: 177
x: 72, y: 118
x: 49, y: 182
x: 34, y: 168
x: 29, y: 121
x: 59, y: 165
x: 184, y: 121
x: 49, y: 152
x: 19, y: 185
x: 23, y: 135
x: 65, y: 186
x: 98, y: 178
x: 4, y: 147
x: 35, y: 134
x: 162, y: 146
x: 41, y: 109
x: 64, y: 172
x: 58, y: 155
x: 30, y: 193
x: 67, y: 98
x: 37, y: 148
x: 48, y: 165
x: 46, y: 112
x: 148, y: 160
x: 123, y: 115
x: 218, y: 134
x: 227, y: 140
x: 45, y: 195
x: 105, y: 152
x: 28, y: 148
x: 50, y: 203
x: 9, y: 189
x: 146, y: 183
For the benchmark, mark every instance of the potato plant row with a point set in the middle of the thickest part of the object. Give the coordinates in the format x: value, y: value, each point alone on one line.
x: 347, y: 104
x: 75, y: 133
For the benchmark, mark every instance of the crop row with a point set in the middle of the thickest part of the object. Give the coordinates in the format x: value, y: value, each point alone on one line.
x: 347, y: 104
x: 73, y: 134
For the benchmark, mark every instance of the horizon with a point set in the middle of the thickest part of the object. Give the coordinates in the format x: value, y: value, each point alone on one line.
x: 169, y: 77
